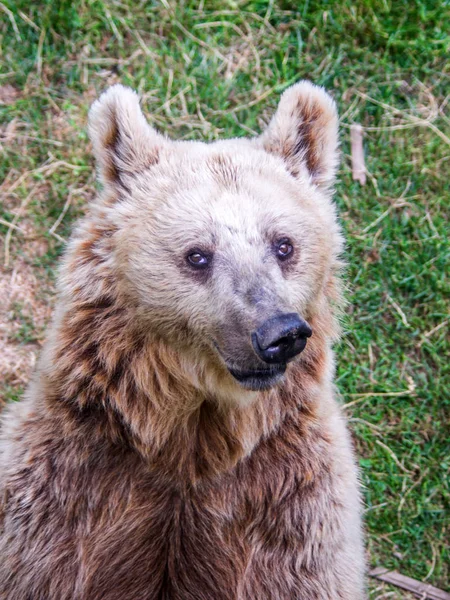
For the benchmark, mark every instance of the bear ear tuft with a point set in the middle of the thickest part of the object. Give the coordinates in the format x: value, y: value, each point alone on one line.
x: 304, y: 132
x: 123, y: 141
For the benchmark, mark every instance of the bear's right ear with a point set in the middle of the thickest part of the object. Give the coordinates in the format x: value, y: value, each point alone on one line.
x: 123, y: 141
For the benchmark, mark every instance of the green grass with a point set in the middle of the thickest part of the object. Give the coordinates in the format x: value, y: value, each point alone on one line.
x: 215, y: 68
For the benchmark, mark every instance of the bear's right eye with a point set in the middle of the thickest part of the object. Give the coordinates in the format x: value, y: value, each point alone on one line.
x: 198, y: 260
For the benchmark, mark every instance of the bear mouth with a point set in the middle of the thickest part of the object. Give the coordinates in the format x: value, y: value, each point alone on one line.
x: 258, y: 379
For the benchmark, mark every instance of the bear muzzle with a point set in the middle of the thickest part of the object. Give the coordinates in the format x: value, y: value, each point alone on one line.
x: 277, y: 341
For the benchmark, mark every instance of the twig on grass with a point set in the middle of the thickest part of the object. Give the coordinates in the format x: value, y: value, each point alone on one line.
x: 192, y: 36
x: 27, y: 19
x: 399, y: 310
x: 247, y: 105
x: 398, y: 203
x: 408, y: 491
x: 13, y: 21
x: 39, y: 52
x: 428, y: 334
x: 12, y: 225
x: 433, y: 562
x: 48, y: 168
x: 170, y: 101
x: 418, y: 588
x: 394, y: 457
x: 418, y: 121
x: 376, y: 428
x: 55, y: 225
x: 357, y: 154
x: 359, y: 397
x: 32, y: 138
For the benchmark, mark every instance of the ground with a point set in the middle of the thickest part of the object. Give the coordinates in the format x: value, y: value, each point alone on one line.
x: 208, y: 70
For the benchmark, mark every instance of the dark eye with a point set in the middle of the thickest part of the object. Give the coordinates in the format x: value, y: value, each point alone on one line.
x: 198, y: 260
x: 284, y: 249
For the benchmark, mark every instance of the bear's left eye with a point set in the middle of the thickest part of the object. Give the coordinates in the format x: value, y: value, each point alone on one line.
x: 198, y: 260
x: 284, y: 249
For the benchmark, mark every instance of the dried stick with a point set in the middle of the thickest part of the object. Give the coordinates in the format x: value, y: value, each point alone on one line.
x: 418, y: 588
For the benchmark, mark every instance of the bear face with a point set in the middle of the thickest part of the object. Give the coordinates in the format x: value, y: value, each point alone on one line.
x: 227, y: 249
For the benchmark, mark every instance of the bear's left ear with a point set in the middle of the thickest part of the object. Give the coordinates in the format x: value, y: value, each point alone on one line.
x: 304, y: 133
x: 123, y: 141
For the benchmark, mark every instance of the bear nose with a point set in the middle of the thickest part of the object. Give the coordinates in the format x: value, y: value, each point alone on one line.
x: 281, y: 338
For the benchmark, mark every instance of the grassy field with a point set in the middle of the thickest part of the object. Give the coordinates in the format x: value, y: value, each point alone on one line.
x: 211, y: 69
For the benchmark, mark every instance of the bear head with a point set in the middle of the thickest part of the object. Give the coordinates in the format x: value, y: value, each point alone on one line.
x: 228, y: 249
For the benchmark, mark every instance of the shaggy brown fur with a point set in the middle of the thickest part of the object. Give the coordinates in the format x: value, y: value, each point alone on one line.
x: 137, y: 467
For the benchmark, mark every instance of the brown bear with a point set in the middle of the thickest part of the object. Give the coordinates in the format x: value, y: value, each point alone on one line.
x: 181, y: 439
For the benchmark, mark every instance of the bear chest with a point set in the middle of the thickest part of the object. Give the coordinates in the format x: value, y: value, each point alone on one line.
x: 172, y: 544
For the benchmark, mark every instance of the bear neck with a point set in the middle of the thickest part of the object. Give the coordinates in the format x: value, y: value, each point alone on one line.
x: 100, y: 364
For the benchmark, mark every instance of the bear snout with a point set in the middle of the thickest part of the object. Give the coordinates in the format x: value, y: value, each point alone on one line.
x: 281, y: 338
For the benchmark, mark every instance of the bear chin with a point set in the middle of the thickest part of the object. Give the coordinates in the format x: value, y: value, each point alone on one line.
x: 259, y: 379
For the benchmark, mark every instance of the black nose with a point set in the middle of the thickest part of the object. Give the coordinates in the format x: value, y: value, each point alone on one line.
x: 281, y: 338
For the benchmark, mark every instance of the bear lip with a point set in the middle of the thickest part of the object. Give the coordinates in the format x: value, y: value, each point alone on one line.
x: 258, y: 379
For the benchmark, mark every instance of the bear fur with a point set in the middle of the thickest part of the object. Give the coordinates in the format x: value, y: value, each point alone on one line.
x: 137, y: 466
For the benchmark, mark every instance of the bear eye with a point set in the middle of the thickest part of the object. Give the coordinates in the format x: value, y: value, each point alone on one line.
x: 198, y: 260
x: 284, y: 249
